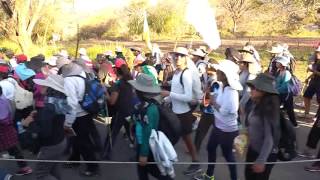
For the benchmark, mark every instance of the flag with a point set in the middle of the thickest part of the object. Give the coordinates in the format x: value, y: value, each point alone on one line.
x: 202, y: 17
x: 146, y: 32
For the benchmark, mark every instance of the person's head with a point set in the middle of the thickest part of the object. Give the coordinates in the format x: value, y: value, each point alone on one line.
x: 276, y: 50
x: 123, y: 72
x: 317, y: 54
x: 233, y: 55
x: 9, y: 54
x: 145, y: 88
x: 262, y: 85
x: 221, y: 76
x: 282, y: 63
x: 136, y: 51
x: 180, y: 58
x: 52, y: 86
x: 227, y: 73
x: 244, y: 66
x: 4, y: 71
x: 245, y: 62
x: 197, y: 55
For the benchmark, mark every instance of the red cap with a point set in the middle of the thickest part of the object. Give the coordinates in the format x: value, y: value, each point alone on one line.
x: 4, y: 69
x: 21, y: 58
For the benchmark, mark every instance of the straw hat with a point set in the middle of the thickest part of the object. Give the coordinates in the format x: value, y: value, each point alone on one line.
x: 248, y: 58
x: 144, y: 83
x: 230, y: 69
x: 53, y: 81
x: 264, y: 82
x: 199, y: 53
x: 283, y: 61
x: 181, y: 50
x: 318, y: 49
x: 276, y: 49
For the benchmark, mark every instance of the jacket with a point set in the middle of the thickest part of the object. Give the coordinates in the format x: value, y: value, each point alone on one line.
x: 163, y: 153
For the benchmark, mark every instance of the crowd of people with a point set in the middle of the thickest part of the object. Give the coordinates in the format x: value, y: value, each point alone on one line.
x: 41, y: 108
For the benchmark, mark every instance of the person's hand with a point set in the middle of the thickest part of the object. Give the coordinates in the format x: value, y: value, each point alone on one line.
x: 143, y: 160
x: 258, y: 168
x: 164, y: 93
x: 26, y: 122
x: 69, y: 131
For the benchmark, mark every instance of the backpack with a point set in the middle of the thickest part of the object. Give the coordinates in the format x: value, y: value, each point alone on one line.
x: 295, y: 86
x: 94, y: 96
x: 22, y: 98
x: 169, y: 122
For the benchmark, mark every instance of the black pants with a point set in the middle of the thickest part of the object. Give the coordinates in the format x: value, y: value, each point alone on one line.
x: 83, y: 143
x: 314, y: 135
x: 16, y: 152
x: 152, y: 169
x: 205, y: 123
x: 287, y: 101
x: 252, y: 157
x: 225, y: 140
x: 116, y: 124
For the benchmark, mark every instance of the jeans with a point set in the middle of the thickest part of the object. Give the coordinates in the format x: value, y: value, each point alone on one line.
x: 16, y: 152
x: 314, y: 135
x: 50, y: 171
x: 225, y: 140
x: 205, y: 123
x: 287, y: 101
x: 83, y: 144
x: 252, y: 157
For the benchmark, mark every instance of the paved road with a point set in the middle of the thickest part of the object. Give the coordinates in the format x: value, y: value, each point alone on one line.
x: 122, y: 152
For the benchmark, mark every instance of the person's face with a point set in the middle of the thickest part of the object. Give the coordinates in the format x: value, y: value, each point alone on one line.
x: 221, y: 77
x: 255, y: 93
x: 195, y: 58
x: 279, y: 65
x: 180, y: 61
x: 136, y: 53
x: 243, y: 66
x: 318, y: 55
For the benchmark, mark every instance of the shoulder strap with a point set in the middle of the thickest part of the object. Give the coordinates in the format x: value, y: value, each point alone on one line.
x: 181, y: 77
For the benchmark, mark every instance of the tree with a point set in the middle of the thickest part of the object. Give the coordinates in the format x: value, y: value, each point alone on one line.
x: 21, y: 18
x: 237, y: 8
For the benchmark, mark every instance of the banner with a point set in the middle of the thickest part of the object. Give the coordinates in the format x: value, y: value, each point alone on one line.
x: 202, y: 17
x: 146, y: 32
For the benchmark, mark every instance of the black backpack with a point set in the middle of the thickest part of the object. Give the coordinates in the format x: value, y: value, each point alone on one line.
x: 169, y: 122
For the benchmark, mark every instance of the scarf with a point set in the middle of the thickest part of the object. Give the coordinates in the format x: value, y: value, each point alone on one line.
x: 61, y: 105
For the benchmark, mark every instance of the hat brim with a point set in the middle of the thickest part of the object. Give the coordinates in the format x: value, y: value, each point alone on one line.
x: 233, y: 83
x: 245, y: 51
x: 52, y: 85
x: 173, y: 52
x: 147, y: 89
x: 257, y: 85
x: 274, y: 52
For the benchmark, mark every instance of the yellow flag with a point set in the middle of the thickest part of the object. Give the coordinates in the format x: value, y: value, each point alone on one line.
x: 146, y: 32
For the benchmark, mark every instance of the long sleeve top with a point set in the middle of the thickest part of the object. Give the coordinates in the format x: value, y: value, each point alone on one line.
x: 180, y: 94
x: 226, y: 116
x: 282, y: 81
x: 75, y: 89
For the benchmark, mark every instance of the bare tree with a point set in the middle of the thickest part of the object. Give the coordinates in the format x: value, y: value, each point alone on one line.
x: 237, y: 8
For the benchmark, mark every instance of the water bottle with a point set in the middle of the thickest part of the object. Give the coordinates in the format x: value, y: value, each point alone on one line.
x: 20, y: 128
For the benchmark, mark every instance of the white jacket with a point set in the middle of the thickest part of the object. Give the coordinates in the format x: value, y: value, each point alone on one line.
x: 163, y: 153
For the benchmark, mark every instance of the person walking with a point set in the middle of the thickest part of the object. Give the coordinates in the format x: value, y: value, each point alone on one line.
x: 262, y: 122
x: 225, y: 106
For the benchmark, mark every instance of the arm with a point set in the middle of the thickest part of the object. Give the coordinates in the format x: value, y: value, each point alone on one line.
x: 267, y: 142
x: 187, y: 95
x: 231, y: 104
x: 71, y: 92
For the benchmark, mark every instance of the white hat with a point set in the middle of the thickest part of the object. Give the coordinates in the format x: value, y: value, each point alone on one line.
x: 53, y: 81
x: 63, y: 53
x: 109, y: 53
x: 52, y: 61
x: 118, y: 49
x: 144, y: 83
x: 230, y: 69
x: 82, y: 51
x: 318, y: 49
x: 276, y: 49
x: 181, y: 50
x: 283, y: 61
x: 61, y: 61
x: 199, y: 53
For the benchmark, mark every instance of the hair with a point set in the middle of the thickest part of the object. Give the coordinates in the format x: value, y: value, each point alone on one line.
x: 269, y: 105
x: 124, y: 72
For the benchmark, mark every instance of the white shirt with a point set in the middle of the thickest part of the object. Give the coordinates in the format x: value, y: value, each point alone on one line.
x: 181, y: 95
x: 197, y: 93
x: 8, y: 89
x: 75, y: 89
x: 226, y: 117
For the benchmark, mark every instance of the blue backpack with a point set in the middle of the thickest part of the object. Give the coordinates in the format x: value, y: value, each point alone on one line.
x: 295, y: 86
x: 94, y: 96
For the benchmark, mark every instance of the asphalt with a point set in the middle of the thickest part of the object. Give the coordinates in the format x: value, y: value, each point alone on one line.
x: 122, y: 152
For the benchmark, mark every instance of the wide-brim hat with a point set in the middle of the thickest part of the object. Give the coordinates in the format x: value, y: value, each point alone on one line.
x: 118, y: 49
x: 82, y: 51
x: 246, y: 49
x: 180, y: 50
x: 276, y: 50
x: 136, y: 49
x: 231, y: 70
x: 233, y: 53
x: 52, y: 61
x: 248, y: 58
x: 283, y: 61
x: 199, y: 53
x: 35, y: 63
x: 53, y: 81
x: 63, y: 53
x: 318, y: 49
x: 144, y: 83
x: 61, y: 61
x: 264, y: 82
